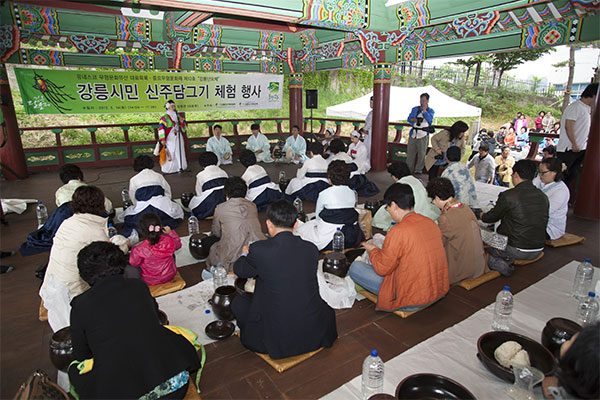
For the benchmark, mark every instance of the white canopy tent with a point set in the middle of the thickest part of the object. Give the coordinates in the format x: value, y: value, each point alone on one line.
x: 402, y: 100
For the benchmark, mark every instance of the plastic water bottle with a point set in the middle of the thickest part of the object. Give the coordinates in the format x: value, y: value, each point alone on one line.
x: 42, y: 214
x: 372, y: 375
x: 125, y: 197
x: 503, y: 310
x: 281, y: 175
x: 219, y: 276
x: 587, y: 311
x: 338, y: 241
x: 583, y: 280
x: 193, y: 226
x: 298, y: 204
x: 112, y: 231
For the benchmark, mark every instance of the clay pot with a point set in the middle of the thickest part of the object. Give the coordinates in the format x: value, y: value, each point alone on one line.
x: 336, y: 264
x: 186, y: 198
x: 283, y: 184
x: 221, y: 302
x: 198, y: 246
x: 61, y: 349
x: 370, y: 206
x: 556, y: 332
x: 163, y: 318
x: 302, y: 216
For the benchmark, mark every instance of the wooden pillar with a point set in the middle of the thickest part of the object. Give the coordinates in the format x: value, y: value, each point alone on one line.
x: 295, y: 87
x: 382, y: 76
x: 11, y: 153
x: 587, y: 203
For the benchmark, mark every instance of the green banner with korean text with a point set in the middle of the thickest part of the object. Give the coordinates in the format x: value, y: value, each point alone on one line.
x: 46, y: 91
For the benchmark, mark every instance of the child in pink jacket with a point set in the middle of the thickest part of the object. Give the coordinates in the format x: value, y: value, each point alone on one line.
x: 154, y: 255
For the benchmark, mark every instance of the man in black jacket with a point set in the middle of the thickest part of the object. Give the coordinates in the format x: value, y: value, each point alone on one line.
x: 286, y: 315
x: 523, y: 212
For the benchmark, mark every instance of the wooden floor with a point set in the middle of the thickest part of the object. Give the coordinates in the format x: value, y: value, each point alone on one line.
x: 231, y: 371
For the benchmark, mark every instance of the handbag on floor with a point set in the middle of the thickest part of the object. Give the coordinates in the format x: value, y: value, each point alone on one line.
x: 39, y: 386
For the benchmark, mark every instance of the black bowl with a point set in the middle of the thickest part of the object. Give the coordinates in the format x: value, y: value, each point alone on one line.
x: 220, y: 329
x: 431, y: 386
x: 239, y: 287
x: 186, y: 197
x: 556, y: 332
x: 539, y: 356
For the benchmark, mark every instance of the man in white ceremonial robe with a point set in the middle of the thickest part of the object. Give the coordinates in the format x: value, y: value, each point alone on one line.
x: 313, y: 170
x: 295, y: 147
x: 209, y: 186
x: 171, y: 129
x: 259, y: 145
x: 220, y: 146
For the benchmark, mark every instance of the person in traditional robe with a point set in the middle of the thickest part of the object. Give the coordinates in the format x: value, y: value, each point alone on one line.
x: 220, y: 146
x: 171, y: 130
x: 400, y: 172
x: 295, y: 147
x: 150, y: 192
x: 335, y: 209
x: 358, y: 151
x: 259, y: 145
x: 261, y: 190
x: 358, y: 178
x: 311, y: 179
x: 209, y: 186
x: 286, y: 315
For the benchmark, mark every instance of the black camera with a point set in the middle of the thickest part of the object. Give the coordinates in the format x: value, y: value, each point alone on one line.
x: 439, y: 157
x: 428, y: 129
x: 419, y: 120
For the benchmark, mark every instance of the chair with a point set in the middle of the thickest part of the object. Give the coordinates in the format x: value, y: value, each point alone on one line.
x: 177, y: 283
x: 565, y: 240
x: 402, y: 314
x: 470, y: 284
x: 526, y: 262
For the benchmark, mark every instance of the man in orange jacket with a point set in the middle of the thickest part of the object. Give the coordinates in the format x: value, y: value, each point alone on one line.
x: 411, y: 270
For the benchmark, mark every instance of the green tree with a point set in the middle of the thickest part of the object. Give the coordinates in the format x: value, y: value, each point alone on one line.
x: 469, y: 63
x: 479, y: 59
x: 535, y: 80
x: 503, y: 62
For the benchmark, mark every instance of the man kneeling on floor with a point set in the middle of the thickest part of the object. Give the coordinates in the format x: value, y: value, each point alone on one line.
x: 286, y: 316
x: 411, y: 270
x: 523, y: 215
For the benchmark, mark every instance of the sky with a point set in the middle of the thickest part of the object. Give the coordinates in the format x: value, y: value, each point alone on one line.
x: 585, y: 61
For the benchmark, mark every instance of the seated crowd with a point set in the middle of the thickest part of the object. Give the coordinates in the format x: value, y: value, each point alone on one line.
x: 433, y: 241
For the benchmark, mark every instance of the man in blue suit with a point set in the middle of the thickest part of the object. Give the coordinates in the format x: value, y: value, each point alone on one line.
x: 286, y: 315
x: 421, y: 118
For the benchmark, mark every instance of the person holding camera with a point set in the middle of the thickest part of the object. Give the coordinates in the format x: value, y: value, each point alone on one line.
x: 436, y: 157
x: 421, y: 119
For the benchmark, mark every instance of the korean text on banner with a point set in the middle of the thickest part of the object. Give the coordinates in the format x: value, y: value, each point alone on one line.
x: 110, y: 92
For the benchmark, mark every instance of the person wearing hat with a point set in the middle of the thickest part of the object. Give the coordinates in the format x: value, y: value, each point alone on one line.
x: 358, y: 151
x: 171, y: 129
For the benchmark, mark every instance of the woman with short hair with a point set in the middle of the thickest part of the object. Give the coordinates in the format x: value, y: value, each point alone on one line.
x: 549, y: 181
x: 115, y: 323
x: 460, y: 233
x: 62, y: 281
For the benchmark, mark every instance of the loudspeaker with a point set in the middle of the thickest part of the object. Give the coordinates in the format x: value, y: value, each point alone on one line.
x: 312, y: 99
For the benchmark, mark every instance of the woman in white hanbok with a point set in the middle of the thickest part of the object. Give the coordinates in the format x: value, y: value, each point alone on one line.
x: 150, y: 192
x: 261, y: 191
x: 358, y: 151
x: 220, y: 146
x: 259, y: 145
x: 335, y: 209
x: 311, y: 179
x: 210, y: 183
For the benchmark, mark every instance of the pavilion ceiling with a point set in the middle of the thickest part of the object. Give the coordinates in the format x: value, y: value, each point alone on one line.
x: 277, y: 36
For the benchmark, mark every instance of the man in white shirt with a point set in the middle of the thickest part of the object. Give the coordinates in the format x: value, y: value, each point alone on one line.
x: 574, y: 131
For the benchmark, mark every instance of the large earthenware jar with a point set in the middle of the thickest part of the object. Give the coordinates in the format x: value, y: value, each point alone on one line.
x: 61, y: 349
x: 198, y: 248
x: 336, y: 263
x: 186, y: 198
x: 221, y: 302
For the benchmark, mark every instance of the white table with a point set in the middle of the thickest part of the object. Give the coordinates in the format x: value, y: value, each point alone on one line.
x: 452, y: 353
